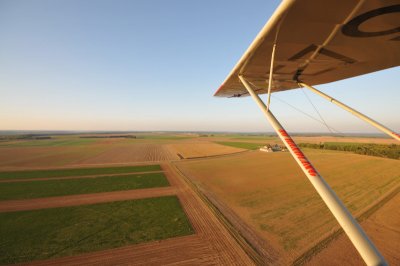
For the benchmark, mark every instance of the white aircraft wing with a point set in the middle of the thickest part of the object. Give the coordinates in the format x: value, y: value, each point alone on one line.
x: 319, y: 41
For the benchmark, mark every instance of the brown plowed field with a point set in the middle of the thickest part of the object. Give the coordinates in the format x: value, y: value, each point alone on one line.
x: 99, y: 152
x: 187, y: 250
x: 27, y: 157
x: 73, y: 200
x: 138, y: 152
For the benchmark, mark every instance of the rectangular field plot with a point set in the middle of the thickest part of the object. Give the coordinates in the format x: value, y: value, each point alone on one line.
x: 269, y: 192
x: 78, y: 171
x: 50, y: 233
x: 50, y: 188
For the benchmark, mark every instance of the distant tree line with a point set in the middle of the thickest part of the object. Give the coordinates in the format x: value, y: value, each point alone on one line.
x: 23, y: 137
x: 380, y: 150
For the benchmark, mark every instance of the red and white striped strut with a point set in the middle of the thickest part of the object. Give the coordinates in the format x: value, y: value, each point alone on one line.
x: 360, y: 240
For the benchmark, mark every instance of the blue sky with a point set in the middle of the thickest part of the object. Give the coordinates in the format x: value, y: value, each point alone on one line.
x: 154, y: 65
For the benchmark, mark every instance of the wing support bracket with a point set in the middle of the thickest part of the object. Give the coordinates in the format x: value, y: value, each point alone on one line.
x: 379, y: 126
x: 271, y: 72
x: 360, y: 240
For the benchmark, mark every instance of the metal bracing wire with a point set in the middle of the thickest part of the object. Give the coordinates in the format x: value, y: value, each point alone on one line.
x: 316, y: 110
x: 308, y: 115
x: 322, y: 121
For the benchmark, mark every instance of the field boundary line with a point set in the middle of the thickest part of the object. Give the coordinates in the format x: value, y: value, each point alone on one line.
x: 84, y: 199
x: 243, y: 242
x: 362, y: 216
x: 75, y: 177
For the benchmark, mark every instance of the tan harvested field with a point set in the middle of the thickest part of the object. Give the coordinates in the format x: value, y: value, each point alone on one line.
x: 128, y: 153
x: 27, y: 157
x: 194, y: 149
x: 73, y: 151
x: 383, y: 227
x: 270, y: 193
x: 38, y: 154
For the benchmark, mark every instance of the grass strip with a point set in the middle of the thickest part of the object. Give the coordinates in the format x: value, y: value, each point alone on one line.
x: 51, y: 188
x: 242, y: 145
x: 50, y: 233
x: 48, y: 142
x: 78, y: 171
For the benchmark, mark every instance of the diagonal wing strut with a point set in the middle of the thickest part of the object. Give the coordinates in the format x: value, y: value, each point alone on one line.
x: 358, y: 237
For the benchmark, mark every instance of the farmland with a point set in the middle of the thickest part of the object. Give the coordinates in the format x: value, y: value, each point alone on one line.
x: 65, y: 172
x: 269, y: 192
x: 107, y: 196
x: 49, y: 213
x: 51, y: 188
x: 382, y: 227
x: 76, y: 151
x: 135, y: 152
x: 234, y: 203
x: 66, y: 231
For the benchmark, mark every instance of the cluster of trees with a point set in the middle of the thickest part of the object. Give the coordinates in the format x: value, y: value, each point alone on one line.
x: 23, y: 137
x: 380, y: 150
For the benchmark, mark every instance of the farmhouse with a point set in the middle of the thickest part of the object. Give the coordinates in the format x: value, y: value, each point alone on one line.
x: 272, y: 148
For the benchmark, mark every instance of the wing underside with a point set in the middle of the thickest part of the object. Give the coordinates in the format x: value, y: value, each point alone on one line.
x: 319, y: 42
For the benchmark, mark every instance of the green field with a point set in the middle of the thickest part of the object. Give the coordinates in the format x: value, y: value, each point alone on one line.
x: 78, y: 171
x: 51, y: 188
x: 242, y: 145
x: 49, y: 142
x: 49, y: 233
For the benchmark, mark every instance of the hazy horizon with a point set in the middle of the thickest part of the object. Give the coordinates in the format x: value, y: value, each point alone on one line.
x: 166, y: 132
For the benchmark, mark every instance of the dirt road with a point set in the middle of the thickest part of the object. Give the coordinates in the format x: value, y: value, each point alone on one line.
x: 72, y: 177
